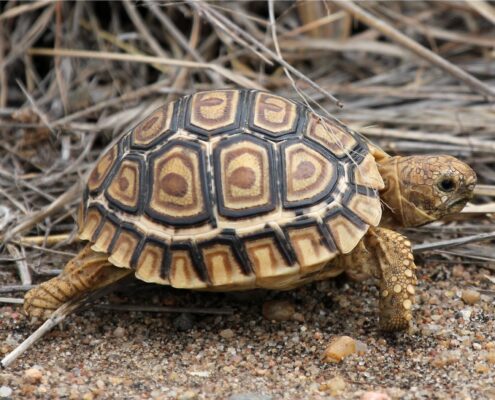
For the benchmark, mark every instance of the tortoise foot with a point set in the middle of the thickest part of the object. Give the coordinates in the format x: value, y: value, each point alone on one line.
x: 85, y: 273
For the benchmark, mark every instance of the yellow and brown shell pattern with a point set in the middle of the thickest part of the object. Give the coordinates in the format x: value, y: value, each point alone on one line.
x: 231, y: 189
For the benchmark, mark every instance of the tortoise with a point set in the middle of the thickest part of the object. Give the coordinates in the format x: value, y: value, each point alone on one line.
x: 232, y: 189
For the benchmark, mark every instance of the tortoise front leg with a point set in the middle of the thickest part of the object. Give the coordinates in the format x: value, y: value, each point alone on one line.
x: 387, y: 255
x: 86, y: 272
x: 398, y: 279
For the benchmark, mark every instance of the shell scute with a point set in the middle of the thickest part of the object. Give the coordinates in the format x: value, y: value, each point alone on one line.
x: 366, y: 173
x: 125, y: 246
x: 214, y: 112
x: 274, y: 116
x: 94, y: 217
x: 226, y: 263
x: 346, y: 229
x: 309, y: 176
x: 270, y: 256
x: 102, y: 170
x: 156, y: 127
x: 365, y: 204
x: 187, y: 269
x: 331, y: 136
x: 105, y: 235
x: 244, y: 176
x: 125, y: 189
x: 178, y: 192
x: 152, y: 262
x: 311, y: 243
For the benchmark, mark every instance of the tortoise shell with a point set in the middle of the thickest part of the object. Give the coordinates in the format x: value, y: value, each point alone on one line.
x: 231, y: 189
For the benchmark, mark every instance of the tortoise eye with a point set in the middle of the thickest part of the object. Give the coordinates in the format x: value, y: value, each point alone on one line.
x: 446, y: 185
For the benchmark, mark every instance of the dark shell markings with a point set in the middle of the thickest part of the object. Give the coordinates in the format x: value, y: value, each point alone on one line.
x: 231, y: 189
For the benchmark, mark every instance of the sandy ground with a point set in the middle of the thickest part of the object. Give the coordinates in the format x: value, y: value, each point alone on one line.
x: 102, y: 354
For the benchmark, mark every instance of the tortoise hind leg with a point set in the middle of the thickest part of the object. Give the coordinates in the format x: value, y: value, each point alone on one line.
x: 86, y: 272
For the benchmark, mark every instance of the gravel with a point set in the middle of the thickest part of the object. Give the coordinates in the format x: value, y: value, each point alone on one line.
x: 33, y: 375
x: 333, y: 386
x: 101, y: 354
x: 249, y: 396
x: 278, y: 310
x: 5, y: 392
x: 470, y: 296
x: 339, y: 348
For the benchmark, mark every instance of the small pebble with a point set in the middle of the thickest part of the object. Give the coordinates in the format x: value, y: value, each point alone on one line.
x: 490, y: 357
x: 333, y: 386
x: 458, y: 271
x: 375, y: 396
x: 184, y: 322
x: 298, y: 317
x: 33, y: 375
x: 278, y: 310
x: 188, y: 395
x: 119, y: 332
x: 430, y: 329
x: 227, y: 333
x: 5, y: 392
x: 481, y: 368
x: 470, y: 296
x: 466, y: 313
x: 446, y: 357
x: 361, y: 347
x: 341, y: 347
x: 249, y: 396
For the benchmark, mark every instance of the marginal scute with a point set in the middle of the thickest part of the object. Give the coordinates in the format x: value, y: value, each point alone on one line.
x: 368, y: 208
x: 150, y: 263
x: 105, y: 236
x: 177, y: 194
x: 267, y: 259
x: 345, y: 233
x: 214, y: 112
x: 367, y: 174
x: 81, y: 214
x: 182, y: 271
x: 308, y: 176
x: 223, y: 266
x: 101, y: 170
x: 123, y: 248
x: 330, y: 136
x: 125, y: 188
x: 94, y: 217
x: 155, y: 128
x: 273, y: 115
x: 244, y: 173
x: 309, y: 245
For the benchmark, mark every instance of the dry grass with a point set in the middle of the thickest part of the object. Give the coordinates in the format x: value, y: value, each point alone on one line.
x: 416, y: 77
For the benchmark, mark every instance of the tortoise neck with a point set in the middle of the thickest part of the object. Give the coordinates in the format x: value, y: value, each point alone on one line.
x: 398, y: 174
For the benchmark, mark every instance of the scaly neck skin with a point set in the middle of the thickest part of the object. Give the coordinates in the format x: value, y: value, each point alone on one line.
x: 399, y: 211
x: 390, y: 194
x: 389, y: 220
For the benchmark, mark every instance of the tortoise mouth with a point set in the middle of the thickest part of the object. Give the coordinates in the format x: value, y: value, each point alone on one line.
x: 457, y: 205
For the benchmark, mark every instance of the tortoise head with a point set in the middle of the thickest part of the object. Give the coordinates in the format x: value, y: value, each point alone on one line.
x: 421, y: 189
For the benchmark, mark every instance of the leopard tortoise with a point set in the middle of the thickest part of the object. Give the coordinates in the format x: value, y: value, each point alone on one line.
x: 239, y: 189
